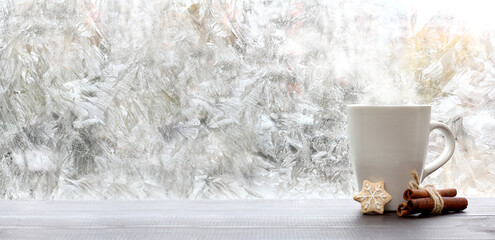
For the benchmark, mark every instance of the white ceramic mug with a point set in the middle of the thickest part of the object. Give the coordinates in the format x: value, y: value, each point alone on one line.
x: 387, y: 142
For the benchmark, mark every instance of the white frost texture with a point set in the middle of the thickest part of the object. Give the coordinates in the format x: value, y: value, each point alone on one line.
x: 231, y: 99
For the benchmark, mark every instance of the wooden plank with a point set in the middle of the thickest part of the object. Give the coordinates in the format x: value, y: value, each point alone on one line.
x: 236, y: 219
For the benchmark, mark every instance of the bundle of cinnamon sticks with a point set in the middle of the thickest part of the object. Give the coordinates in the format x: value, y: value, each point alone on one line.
x: 419, y: 201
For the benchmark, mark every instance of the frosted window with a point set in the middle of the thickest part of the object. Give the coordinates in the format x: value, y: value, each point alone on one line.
x: 231, y: 99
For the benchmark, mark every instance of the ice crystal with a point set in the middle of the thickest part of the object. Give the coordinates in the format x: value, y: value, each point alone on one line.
x: 228, y: 99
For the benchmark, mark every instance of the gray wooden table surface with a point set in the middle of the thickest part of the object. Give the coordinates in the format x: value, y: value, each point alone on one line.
x: 246, y: 219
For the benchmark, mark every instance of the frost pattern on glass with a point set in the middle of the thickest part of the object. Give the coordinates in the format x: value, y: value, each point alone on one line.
x: 229, y: 99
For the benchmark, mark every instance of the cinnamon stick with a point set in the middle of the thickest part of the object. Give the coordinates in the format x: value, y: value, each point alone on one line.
x: 418, y: 193
x: 403, y: 209
x: 425, y: 205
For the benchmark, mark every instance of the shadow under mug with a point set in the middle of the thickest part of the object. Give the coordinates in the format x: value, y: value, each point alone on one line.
x: 387, y: 142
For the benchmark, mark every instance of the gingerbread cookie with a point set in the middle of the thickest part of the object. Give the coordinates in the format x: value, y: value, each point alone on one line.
x: 373, y: 197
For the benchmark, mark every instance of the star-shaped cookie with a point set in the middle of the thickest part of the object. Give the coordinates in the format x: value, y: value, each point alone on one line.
x: 373, y: 197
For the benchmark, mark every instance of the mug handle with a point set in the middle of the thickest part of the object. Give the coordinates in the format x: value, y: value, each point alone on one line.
x: 448, y: 151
